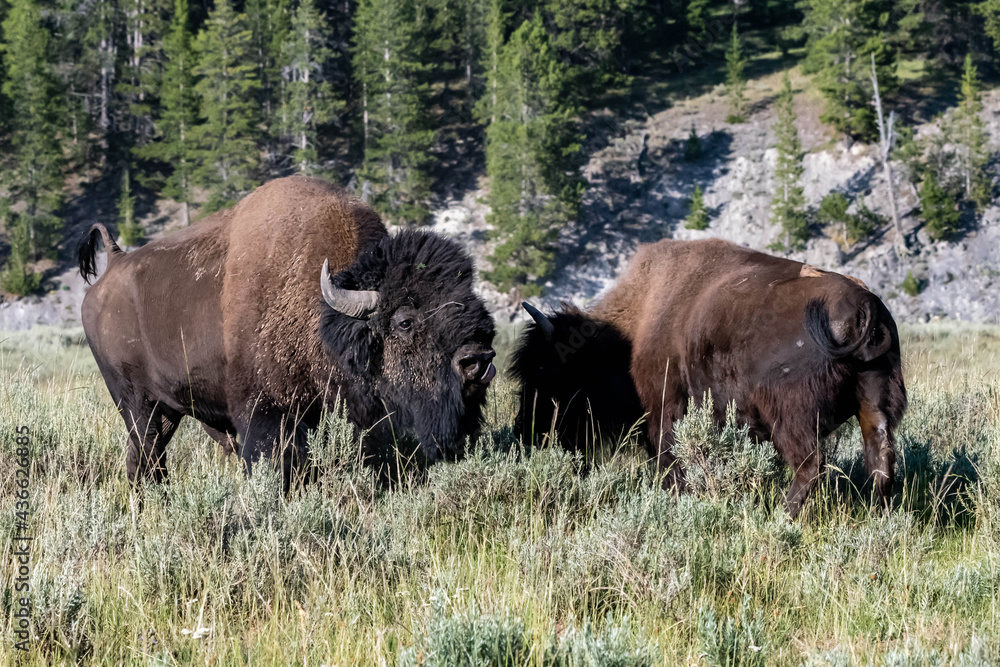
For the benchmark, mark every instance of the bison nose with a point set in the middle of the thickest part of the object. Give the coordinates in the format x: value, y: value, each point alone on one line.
x: 478, y: 367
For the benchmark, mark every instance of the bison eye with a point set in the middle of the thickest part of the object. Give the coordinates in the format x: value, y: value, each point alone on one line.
x: 405, y: 325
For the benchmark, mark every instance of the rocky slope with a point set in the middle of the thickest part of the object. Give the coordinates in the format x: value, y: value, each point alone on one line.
x: 639, y: 186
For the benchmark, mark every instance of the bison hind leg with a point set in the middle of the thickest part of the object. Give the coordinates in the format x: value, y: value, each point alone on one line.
x: 150, y: 427
x: 879, y: 449
x: 800, y: 450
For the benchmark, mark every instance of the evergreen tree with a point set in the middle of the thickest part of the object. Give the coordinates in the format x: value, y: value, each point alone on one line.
x: 229, y: 107
x: 99, y: 71
x: 142, y: 68
x: 309, y: 99
x: 843, y: 37
x: 788, y: 205
x: 939, y: 209
x: 697, y: 217
x: 270, y: 22
x: 736, y: 82
x: 17, y: 277
x: 176, y: 147
x: 692, y: 147
x: 696, y: 18
x: 389, y: 57
x: 32, y: 171
x: 129, y: 230
x: 970, y: 137
x: 532, y: 158
x: 989, y: 10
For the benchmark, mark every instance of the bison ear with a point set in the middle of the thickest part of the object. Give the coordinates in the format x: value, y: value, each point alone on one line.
x: 544, y: 324
x: 358, y: 304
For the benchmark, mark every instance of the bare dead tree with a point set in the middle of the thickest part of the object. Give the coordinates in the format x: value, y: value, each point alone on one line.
x: 886, y: 136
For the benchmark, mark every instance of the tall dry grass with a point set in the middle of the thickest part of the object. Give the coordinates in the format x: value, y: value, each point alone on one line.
x: 509, y: 557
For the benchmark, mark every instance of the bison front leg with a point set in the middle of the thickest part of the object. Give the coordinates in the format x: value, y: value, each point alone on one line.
x: 279, y: 439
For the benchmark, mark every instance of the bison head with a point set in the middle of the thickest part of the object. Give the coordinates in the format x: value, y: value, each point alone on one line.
x: 574, y: 375
x: 412, y: 339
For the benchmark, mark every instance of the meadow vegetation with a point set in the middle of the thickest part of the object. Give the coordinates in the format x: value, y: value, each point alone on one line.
x: 509, y: 557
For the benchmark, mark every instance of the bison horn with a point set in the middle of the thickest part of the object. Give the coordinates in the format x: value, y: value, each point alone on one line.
x: 544, y: 323
x: 353, y: 303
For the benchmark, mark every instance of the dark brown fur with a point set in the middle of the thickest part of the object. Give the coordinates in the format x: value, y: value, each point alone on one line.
x: 224, y: 321
x: 799, y: 351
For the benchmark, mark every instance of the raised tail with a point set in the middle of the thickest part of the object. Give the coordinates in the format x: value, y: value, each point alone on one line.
x: 864, y: 337
x: 87, y: 253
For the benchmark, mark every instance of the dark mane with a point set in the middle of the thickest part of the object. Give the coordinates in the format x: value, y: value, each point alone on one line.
x: 585, y: 370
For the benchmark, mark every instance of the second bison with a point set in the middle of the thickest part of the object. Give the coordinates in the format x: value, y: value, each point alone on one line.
x: 799, y: 350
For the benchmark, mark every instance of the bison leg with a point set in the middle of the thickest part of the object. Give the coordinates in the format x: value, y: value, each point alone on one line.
x: 270, y: 435
x: 800, y: 450
x: 879, y: 418
x: 665, y: 401
x: 226, y: 439
x: 150, y: 428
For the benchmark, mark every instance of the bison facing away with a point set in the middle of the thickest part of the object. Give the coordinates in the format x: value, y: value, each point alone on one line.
x: 799, y: 350
x: 259, y: 317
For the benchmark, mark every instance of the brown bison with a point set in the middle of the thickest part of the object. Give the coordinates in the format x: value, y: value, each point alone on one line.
x: 241, y: 323
x: 799, y: 351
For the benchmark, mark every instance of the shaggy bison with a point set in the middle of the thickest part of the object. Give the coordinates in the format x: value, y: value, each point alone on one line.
x: 798, y: 349
x: 256, y: 319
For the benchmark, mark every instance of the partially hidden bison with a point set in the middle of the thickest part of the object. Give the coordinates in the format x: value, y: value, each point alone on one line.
x: 799, y: 350
x: 260, y: 317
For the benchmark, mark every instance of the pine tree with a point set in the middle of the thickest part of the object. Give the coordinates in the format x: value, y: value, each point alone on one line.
x: 270, y: 21
x: 788, y: 205
x: 697, y: 217
x: 33, y: 169
x: 939, y: 209
x: 129, y: 230
x: 692, y: 147
x: 142, y: 67
x: 309, y: 98
x: 98, y: 71
x: 389, y: 57
x: 229, y: 107
x: 531, y: 157
x: 843, y: 36
x: 970, y: 137
x: 17, y: 278
x: 736, y: 82
x: 696, y: 19
x: 175, y: 127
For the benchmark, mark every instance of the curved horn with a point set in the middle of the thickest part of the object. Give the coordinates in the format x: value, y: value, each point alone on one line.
x: 544, y: 323
x: 358, y: 304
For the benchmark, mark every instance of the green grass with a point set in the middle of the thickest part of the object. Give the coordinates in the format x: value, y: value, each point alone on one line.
x: 508, y: 558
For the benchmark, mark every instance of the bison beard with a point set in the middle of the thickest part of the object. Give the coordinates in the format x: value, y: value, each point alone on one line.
x: 799, y: 351
x: 232, y: 322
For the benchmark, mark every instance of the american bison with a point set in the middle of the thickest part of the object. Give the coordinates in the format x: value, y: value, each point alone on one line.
x: 799, y: 350
x: 256, y: 319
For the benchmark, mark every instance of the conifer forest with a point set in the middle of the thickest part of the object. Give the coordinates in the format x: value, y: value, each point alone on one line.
x: 401, y: 100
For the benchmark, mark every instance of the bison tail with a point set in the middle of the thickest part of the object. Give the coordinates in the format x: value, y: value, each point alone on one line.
x: 88, y: 250
x: 841, y: 339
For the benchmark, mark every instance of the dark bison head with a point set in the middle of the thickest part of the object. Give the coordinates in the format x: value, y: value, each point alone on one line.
x: 414, y: 341
x: 574, y: 375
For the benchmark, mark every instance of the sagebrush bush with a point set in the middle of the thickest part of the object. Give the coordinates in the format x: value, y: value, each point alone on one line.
x: 544, y: 557
x: 722, y: 462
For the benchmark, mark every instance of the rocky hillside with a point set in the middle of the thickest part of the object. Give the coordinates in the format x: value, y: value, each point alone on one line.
x: 632, y: 200
x: 639, y: 187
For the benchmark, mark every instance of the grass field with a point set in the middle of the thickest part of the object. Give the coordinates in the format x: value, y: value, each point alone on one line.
x: 507, y: 558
